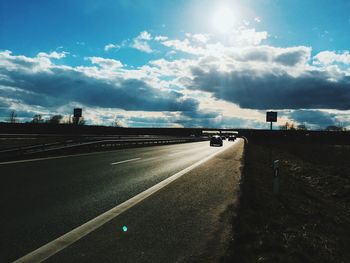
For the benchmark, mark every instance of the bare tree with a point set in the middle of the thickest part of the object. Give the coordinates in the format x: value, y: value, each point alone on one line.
x: 81, y: 121
x: 117, y: 123
x: 291, y: 126
x: 12, y: 117
x: 78, y: 120
x: 287, y: 126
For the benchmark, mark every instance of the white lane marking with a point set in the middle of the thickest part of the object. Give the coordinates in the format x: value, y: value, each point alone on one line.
x: 126, y: 161
x: 74, y: 235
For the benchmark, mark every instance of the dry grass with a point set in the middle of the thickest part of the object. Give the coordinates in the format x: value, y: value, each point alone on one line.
x: 309, y: 221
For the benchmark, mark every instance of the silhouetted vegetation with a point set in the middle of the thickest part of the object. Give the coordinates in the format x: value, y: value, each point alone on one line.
x: 12, y: 118
x: 302, y: 127
x: 287, y: 126
x: 55, y: 119
x: 335, y: 128
x: 37, y: 118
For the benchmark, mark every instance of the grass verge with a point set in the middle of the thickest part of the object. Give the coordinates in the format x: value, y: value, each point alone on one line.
x: 309, y: 220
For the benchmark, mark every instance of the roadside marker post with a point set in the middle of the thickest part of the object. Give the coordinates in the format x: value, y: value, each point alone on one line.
x: 276, y: 174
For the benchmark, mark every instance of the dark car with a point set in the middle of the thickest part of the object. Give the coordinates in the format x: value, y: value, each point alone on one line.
x: 232, y: 138
x: 216, y: 141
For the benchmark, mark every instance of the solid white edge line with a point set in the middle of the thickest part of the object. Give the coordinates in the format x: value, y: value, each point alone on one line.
x: 126, y: 161
x: 74, y: 235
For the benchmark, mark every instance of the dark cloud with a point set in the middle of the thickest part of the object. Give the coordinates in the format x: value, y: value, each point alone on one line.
x: 292, y: 58
x: 274, y: 90
x: 61, y: 86
x: 256, y: 55
x: 287, y: 57
x: 201, y: 114
x: 317, y: 118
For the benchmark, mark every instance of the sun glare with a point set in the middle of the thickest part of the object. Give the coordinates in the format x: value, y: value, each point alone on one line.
x: 223, y: 19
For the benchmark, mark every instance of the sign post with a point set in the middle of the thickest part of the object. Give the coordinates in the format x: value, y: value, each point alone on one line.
x: 271, y: 116
x: 77, y: 114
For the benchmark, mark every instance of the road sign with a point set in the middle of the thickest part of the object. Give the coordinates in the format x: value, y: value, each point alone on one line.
x: 78, y: 112
x: 271, y: 116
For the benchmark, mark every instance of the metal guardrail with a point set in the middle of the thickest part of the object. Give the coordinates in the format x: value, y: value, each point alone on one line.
x: 95, y: 145
x: 29, y: 147
x: 80, y: 141
x: 118, y: 142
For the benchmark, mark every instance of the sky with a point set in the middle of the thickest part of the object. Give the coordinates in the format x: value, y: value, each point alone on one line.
x: 177, y: 63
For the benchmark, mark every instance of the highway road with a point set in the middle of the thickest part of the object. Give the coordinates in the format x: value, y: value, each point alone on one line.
x: 44, y: 199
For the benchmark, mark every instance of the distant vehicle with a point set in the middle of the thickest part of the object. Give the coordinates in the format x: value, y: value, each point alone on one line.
x: 216, y: 140
x: 232, y: 138
x: 223, y: 138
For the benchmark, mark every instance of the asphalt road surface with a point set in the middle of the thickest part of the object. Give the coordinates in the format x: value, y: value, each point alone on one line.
x: 187, y: 220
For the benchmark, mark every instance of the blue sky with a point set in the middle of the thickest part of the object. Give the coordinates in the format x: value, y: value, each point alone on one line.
x: 177, y: 63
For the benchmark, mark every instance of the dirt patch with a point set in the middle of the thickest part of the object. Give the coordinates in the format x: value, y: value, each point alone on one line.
x: 309, y: 220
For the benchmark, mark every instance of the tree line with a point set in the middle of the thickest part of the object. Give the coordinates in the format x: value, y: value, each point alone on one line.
x: 303, y: 127
x: 54, y: 119
x: 59, y: 119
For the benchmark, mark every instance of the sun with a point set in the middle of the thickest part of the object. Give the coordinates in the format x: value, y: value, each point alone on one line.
x: 223, y: 19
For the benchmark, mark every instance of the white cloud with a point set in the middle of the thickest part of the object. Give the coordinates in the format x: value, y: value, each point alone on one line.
x: 247, y: 37
x: 106, y: 63
x: 141, y: 42
x: 184, y: 46
x: 142, y: 46
x: 257, y: 19
x: 200, y: 44
x: 111, y: 46
x: 330, y: 57
x: 160, y: 38
x: 200, y: 38
x: 42, y: 62
x: 144, y: 35
x: 54, y: 54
